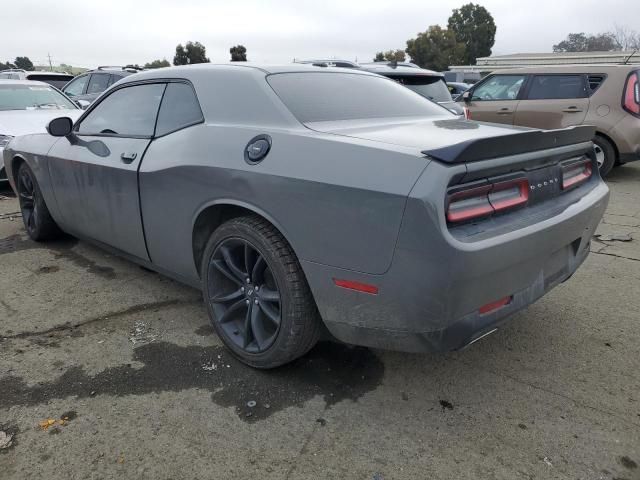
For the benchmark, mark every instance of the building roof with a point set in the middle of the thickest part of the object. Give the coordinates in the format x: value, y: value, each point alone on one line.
x: 498, y: 62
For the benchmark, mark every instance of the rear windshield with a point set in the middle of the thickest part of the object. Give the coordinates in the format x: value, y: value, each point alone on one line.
x: 32, y: 97
x: 431, y: 87
x: 57, y: 81
x: 321, y: 97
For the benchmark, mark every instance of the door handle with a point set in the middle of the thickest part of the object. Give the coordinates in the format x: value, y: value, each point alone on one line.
x: 505, y: 111
x: 128, y: 157
x: 572, y: 110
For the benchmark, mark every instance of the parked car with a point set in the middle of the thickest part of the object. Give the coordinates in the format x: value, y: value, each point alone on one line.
x: 295, y: 196
x: 458, y: 88
x: 85, y: 88
x: 605, y: 96
x: 27, y: 107
x: 427, y: 83
x: 56, y: 79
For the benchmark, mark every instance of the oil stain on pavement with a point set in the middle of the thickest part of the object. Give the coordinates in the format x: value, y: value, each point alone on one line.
x: 62, y: 248
x: 334, y: 371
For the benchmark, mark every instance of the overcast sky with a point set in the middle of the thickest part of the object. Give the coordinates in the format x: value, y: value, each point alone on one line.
x: 117, y: 32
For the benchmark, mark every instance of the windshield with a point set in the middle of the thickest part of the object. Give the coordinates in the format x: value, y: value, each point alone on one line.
x: 32, y: 97
x: 324, y: 96
x: 432, y: 87
x: 57, y: 81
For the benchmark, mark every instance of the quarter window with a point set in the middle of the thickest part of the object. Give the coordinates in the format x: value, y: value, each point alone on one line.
x: 547, y: 87
x: 129, y: 111
x: 76, y: 87
x: 98, y: 83
x: 179, y: 109
x: 499, y: 87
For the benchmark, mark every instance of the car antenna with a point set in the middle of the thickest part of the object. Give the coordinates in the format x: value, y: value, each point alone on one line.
x: 626, y: 61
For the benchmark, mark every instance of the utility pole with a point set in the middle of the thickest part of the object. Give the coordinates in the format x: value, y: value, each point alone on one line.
x: 50, y: 66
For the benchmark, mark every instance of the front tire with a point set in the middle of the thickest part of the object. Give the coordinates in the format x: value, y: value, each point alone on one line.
x: 605, y: 155
x: 37, y: 220
x: 256, y: 294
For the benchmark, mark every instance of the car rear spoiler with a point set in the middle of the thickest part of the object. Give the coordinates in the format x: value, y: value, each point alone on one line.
x: 511, y: 144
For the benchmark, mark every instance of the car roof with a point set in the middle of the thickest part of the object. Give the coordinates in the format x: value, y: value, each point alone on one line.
x: 586, y: 68
x: 23, y: 82
x: 183, y: 71
x: 388, y: 69
x: 44, y: 72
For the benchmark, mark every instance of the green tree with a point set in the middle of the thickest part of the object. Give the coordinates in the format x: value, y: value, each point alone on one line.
x: 238, y: 53
x: 192, y: 52
x: 379, y: 57
x: 158, y: 64
x: 23, y: 63
x: 437, y: 48
x: 395, y: 55
x: 581, y: 42
x: 474, y: 27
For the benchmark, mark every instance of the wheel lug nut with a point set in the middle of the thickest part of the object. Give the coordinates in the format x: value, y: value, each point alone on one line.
x: 247, y: 301
x: 256, y: 301
x: 257, y: 288
x: 248, y: 280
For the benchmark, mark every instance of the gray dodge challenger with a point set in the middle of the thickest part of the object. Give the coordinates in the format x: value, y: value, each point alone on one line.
x: 299, y: 198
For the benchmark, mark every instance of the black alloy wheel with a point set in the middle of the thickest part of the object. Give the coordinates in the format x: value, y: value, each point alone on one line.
x: 244, y: 295
x: 28, y: 196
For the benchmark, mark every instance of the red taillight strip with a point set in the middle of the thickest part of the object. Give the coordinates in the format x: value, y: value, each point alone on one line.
x: 360, y: 287
x: 477, y: 211
x: 486, y: 204
x: 523, y: 194
x: 579, y: 177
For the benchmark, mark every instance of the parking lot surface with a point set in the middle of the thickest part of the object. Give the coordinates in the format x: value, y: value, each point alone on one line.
x: 111, y: 371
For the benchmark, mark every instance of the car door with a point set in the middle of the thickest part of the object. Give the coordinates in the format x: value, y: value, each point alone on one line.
x: 94, y: 171
x: 496, y: 99
x: 554, y: 101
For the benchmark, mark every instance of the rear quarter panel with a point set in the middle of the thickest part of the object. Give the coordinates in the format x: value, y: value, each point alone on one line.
x: 338, y: 201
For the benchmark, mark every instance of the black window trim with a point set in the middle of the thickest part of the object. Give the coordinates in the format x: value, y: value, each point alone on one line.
x: 163, y: 81
x: 527, y: 89
x: 604, y: 79
x: 525, y: 86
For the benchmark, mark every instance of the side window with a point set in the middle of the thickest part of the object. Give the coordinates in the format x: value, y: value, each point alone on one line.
x: 557, y: 87
x: 129, y: 111
x: 499, y: 87
x: 98, y: 83
x: 179, y: 109
x: 76, y: 87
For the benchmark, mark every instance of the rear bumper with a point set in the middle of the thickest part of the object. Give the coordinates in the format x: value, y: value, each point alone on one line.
x: 429, y: 299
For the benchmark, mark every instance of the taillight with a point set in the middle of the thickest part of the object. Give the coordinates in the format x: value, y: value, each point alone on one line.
x: 576, y: 173
x: 631, y: 97
x: 484, y: 200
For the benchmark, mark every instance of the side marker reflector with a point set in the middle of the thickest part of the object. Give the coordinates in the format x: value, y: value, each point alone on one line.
x: 360, y: 287
x: 491, y: 307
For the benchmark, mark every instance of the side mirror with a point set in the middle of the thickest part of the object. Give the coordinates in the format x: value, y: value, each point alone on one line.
x: 466, y: 96
x: 60, y: 127
x: 83, y: 104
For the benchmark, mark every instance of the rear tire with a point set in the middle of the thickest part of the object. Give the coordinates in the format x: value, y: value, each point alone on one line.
x: 605, y: 154
x: 256, y: 294
x: 37, y: 220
